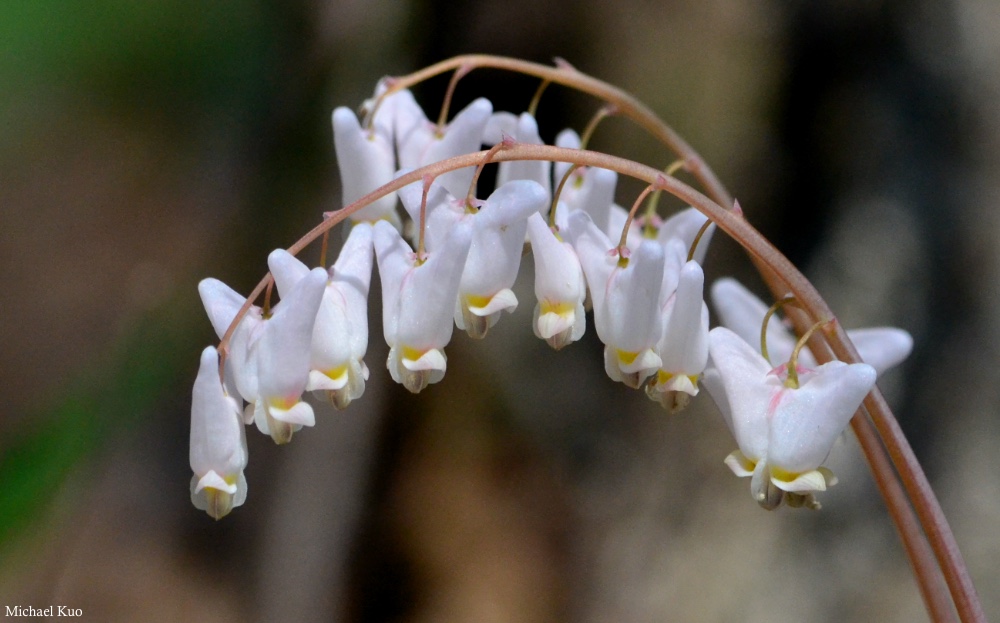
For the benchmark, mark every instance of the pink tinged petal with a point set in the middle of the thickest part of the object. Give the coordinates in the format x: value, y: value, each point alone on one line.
x: 684, y: 226
x: 684, y: 345
x: 808, y: 420
x: 463, y: 135
x: 366, y: 161
x: 882, y: 347
x: 744, y: 377
x: 743, y: 313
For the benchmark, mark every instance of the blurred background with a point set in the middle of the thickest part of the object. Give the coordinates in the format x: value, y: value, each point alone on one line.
x: 144, y: 146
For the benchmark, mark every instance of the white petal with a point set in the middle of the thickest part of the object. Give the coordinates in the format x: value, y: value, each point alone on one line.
x: 283, y: 353
x: 366, y: 161
x: 805, y: 422
x: 286, y: 269
x: 463, y: 135
x: 882, y: 347
x: 684, y: 346
x: 684, y: 226
x: 217, y: 441
x: 743, y: 373
x: 743, y: 313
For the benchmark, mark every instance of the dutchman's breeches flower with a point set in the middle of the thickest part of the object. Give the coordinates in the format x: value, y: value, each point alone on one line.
x: 626, y: 297
x: 498, y: 233
x: 340, y: 336
x: 283, y: 359
x: 559, y: 286
x: 684, y: 345
x: 498, y: 230
x: 218, y: 443
x: 418, y: 302
x: 785, y: 429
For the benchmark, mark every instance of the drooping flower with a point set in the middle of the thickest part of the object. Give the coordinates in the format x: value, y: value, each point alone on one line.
x: 626, y: 297
x: 743, y: 313
x: 282, y: 353
x: 559, y: 286
x: 684, y: 345
x: 218, y: 452
x: 784, y: 428
x: 418, y: 302
x: 340, y: 336
x: 498, y: 231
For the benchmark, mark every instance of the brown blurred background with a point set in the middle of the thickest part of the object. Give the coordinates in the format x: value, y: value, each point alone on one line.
x: 144, y: 146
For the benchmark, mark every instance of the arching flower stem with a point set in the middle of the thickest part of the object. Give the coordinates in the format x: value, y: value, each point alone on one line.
x: 768, y: 260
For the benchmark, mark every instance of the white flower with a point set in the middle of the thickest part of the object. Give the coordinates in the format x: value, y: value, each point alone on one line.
x: 498, y: 230
x: 218, y: 444
x: 559, y: 286
x: 784, y: 431
x: 626, y: 297
x: 282, y: 353
x: 418, y: 302
x: 340, y: 336
x: 684, y: 345
x: 420, y: 143
x: 742, y: 312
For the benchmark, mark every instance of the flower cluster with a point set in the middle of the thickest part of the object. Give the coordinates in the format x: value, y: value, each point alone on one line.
x: 644, y: 281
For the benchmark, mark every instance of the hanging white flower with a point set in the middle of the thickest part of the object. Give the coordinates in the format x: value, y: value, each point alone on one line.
x: 418, y: 302
x: 218, y: 452
x: 340, y: 336
x: 785, y: 428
